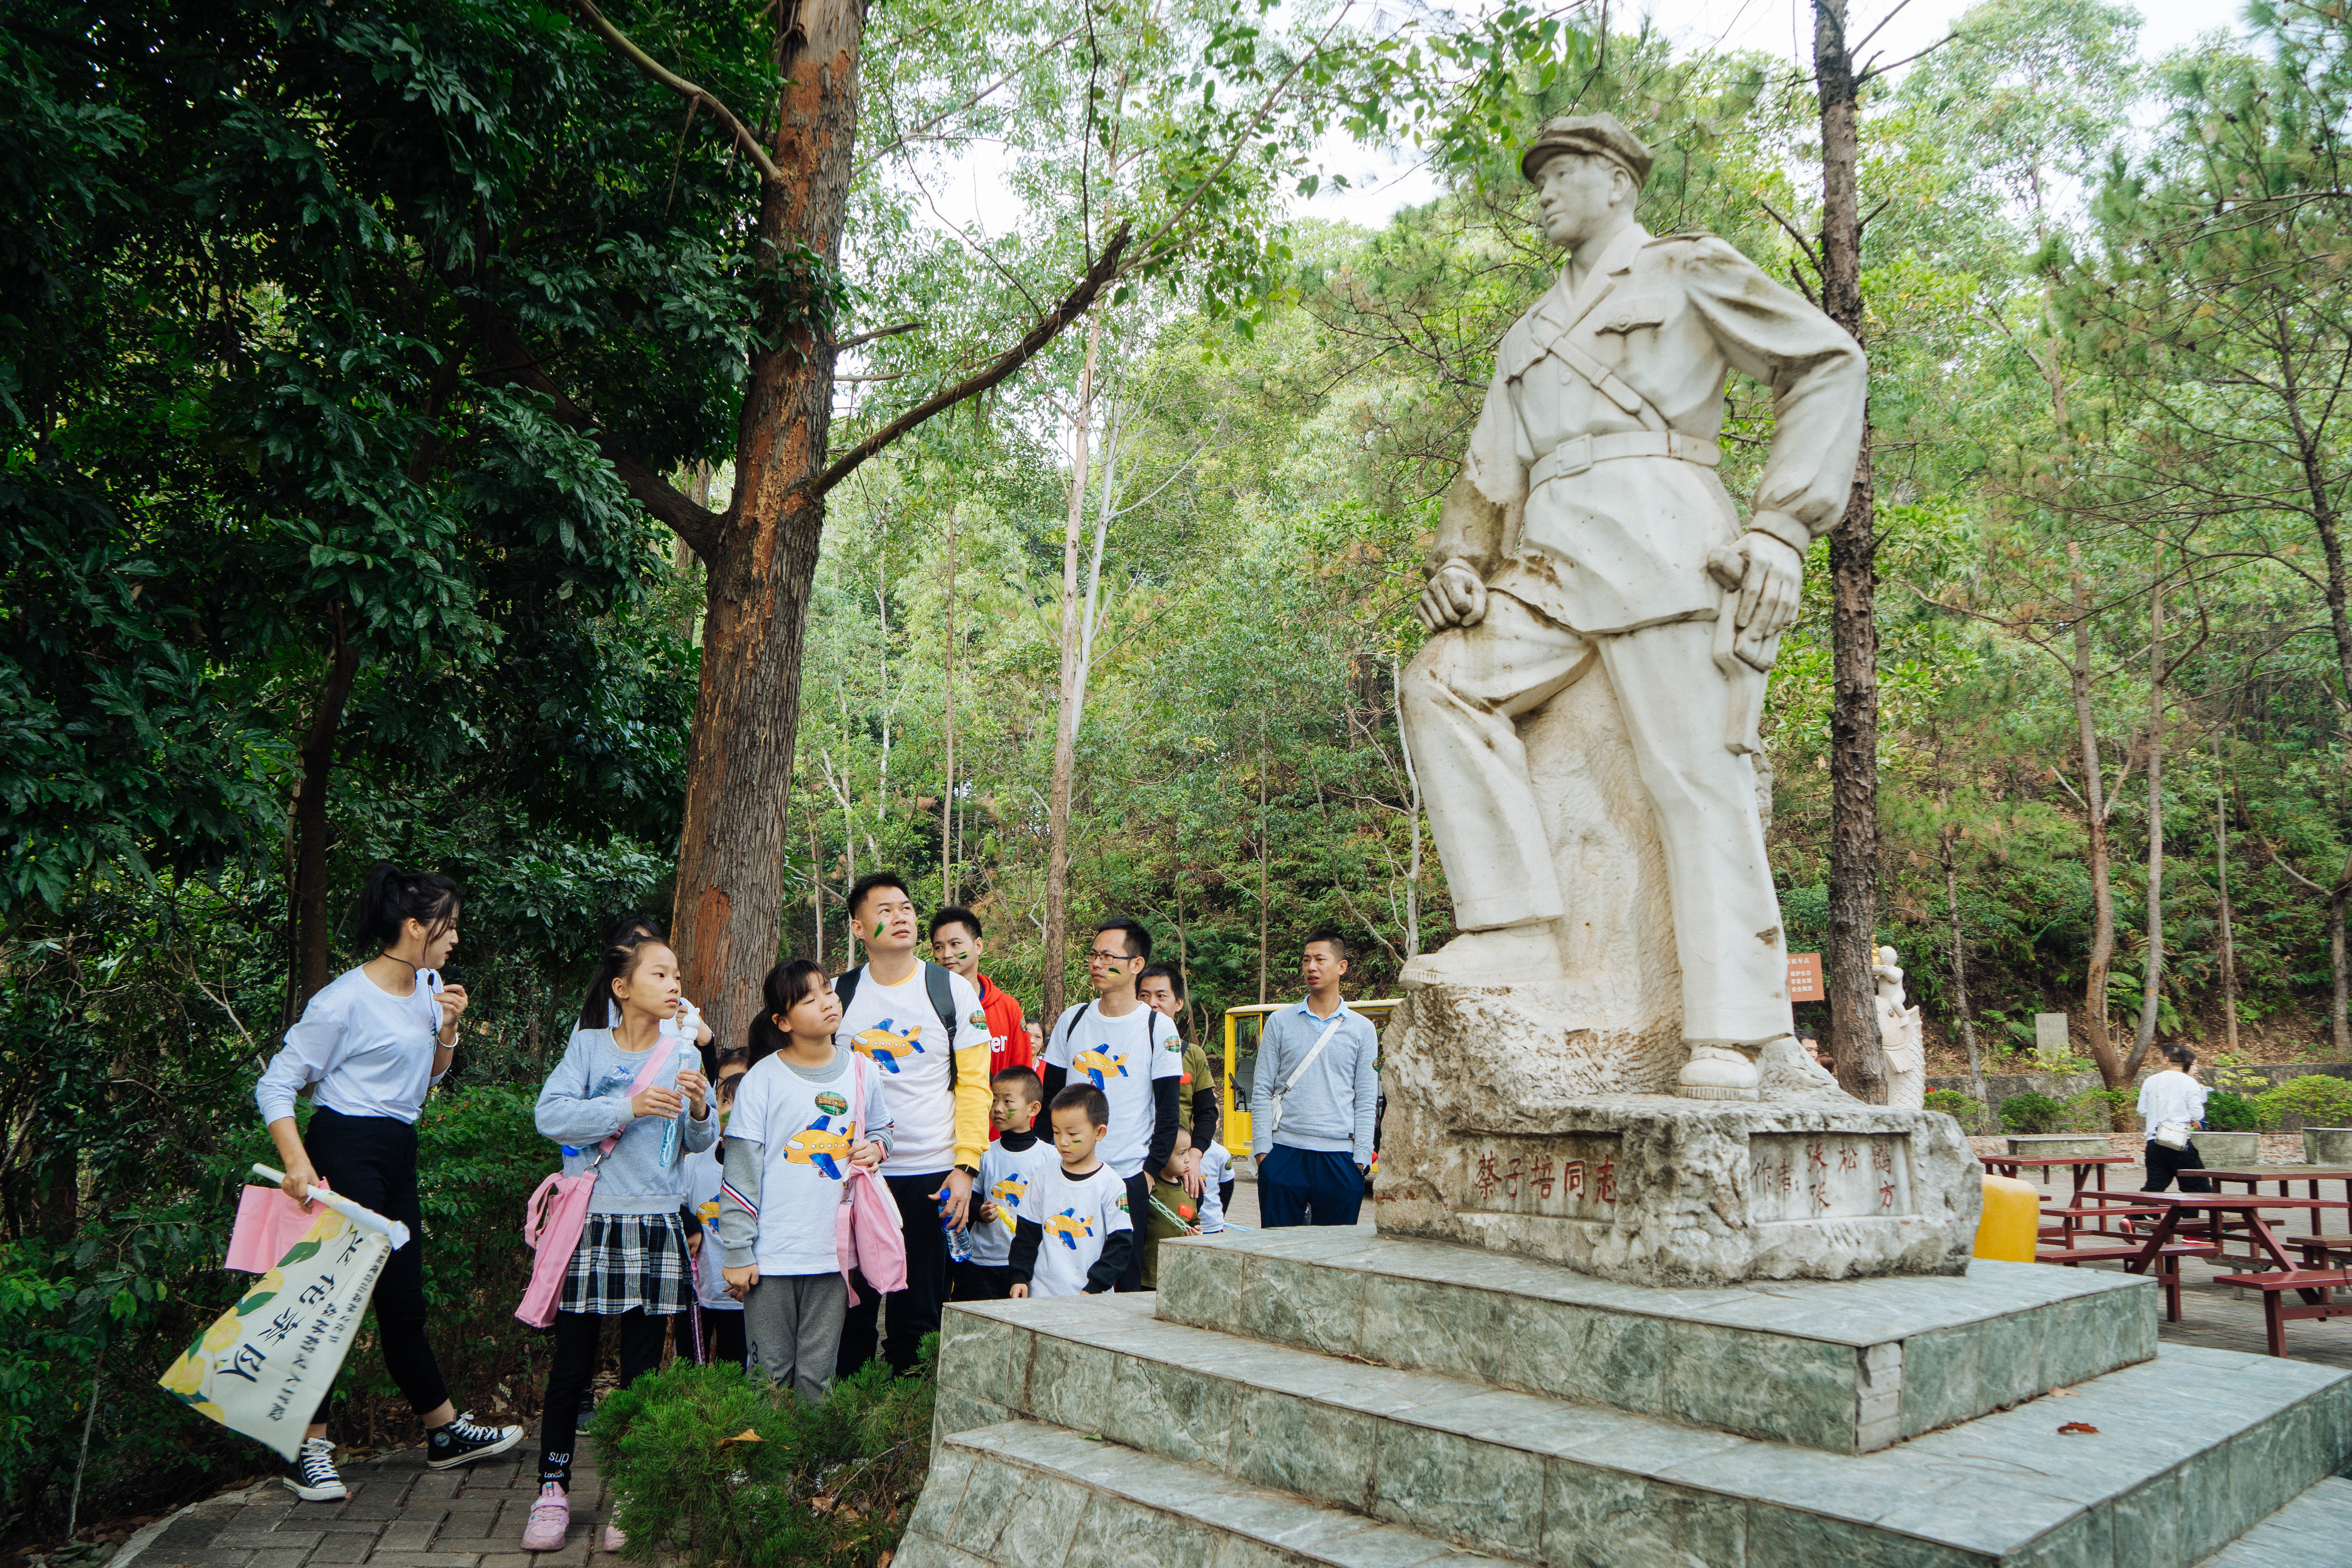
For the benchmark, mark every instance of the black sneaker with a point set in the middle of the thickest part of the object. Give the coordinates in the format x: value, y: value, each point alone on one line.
x: 463, y: 1441
x: 311, y: 1475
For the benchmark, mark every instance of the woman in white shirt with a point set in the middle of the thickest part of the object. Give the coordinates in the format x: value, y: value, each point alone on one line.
x: 2172, y: 1106
x: 368, y: 1047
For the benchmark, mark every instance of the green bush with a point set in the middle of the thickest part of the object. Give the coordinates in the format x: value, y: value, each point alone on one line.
x: 2100, y: 1111
x: 826, y: 1484
x: 2320, y: 1099
x: 2228, y: 1112
x: 1969, y: 1111
x: 2031, y: 1112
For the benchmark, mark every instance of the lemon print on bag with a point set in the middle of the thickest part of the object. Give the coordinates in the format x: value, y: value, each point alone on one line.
x: 1070, y: 1225
x: 886, y: 1046
x: 1102, y: 1067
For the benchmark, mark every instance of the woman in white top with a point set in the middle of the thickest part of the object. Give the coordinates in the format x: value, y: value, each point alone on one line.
x: 368, y: 1047
x: 2171, y: 1106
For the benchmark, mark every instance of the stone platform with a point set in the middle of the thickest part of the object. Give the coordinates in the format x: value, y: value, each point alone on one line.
x: 1418, y: 1403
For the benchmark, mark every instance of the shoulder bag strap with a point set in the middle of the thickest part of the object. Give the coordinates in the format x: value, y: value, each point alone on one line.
x: 1300, y: 1071
x: 846, y: 986
x: 942, y: 994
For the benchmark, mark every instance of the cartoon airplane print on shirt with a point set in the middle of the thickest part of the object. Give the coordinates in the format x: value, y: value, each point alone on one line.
x: 1100, y: 1067
x: 1007, y: 1196
x: 820, y: 1144
x: 1070, y: 1225
x: 884, y: 1045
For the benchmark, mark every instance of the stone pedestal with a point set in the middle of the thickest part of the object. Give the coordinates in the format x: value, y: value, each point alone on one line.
x: 1510, y: 1126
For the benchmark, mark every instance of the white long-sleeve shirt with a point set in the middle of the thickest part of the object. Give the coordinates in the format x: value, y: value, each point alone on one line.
x: 2171, y: 1096
x: 370, y: 1052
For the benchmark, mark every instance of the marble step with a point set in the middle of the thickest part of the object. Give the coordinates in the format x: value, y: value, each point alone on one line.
x: 2192, y: 1449
x: 1848, y: 1365
x: 1022, y: 1495
x: 2315, y: 1529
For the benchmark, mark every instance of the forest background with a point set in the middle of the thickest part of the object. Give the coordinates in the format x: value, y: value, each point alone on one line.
x: 279, y: 506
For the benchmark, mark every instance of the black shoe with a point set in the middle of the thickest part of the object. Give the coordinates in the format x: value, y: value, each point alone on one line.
x: 587, y: 1410
x: 463, y: 1441
x: 312, y: 1474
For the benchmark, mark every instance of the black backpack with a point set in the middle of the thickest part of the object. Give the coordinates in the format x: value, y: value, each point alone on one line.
x: 942, y: 995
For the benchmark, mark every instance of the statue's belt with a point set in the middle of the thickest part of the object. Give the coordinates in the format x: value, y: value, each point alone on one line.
x: 1579, y: 453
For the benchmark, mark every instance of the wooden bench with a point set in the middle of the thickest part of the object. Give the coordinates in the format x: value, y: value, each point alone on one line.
x: 2167, y: 1264
x: 2069, y: 1226
x: 2318, y: 1249
x: 2277, y: 1311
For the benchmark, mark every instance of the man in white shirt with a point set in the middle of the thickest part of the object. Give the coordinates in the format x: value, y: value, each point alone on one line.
x: 2171, y: 1106
x: 1130, y: 1053
x: 1317, y: 1057
x: 924, y: 1029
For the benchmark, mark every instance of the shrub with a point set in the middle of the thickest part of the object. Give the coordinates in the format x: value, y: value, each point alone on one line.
x: 2228, y: 1112
x: 2320, y: 1099
x: 822, y: 1484
x: 2031, y: 1112
x: 2100, y: 1110
x: 1969, y: 1111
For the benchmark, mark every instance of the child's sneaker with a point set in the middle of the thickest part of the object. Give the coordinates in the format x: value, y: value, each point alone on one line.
x: 550, y: 1520
x: 464, y: 1440
x: 614, y: 1538
x: 311, y: 1475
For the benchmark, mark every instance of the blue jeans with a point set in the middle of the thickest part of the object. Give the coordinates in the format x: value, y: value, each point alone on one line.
x: 1307, y: 1186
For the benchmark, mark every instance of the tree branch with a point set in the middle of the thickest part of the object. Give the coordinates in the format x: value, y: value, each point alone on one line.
x: 862, y: 339
x: 1802, y: 244
x: 654, y: 70
x: 697, y: 525
x: 1098, y: 277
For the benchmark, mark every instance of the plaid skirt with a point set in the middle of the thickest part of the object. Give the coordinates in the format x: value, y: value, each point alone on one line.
x: 627, y: 1260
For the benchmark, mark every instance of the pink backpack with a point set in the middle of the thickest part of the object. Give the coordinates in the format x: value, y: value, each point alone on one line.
x: 557, y: 1212
x: 868, y: 1234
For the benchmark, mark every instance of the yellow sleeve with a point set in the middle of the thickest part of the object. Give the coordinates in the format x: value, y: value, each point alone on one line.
x: 971, y: 1103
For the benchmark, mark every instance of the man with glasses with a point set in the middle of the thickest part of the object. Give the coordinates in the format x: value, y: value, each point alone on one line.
x: 1130, y: 1053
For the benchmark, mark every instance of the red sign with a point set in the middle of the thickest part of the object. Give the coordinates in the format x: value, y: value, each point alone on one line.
x: 1805, y: 978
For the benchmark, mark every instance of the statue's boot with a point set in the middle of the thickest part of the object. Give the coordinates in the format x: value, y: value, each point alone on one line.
x: 1501, y: 955
x: 1721, y: 1069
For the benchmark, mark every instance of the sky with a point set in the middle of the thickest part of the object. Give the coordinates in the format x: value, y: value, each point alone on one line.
x: 1379, y: 184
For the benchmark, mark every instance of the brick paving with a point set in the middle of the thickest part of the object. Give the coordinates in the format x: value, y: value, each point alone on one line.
x: 399, y: 1515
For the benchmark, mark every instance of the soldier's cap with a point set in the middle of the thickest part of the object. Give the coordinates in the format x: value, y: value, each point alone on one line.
x: 1600, y: 134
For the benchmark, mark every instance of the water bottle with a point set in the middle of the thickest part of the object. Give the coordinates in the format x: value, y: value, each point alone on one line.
x: 959, y: 1239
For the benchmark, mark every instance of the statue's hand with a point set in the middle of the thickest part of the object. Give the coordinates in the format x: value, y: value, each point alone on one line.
x: 1771, y: 586
x: 1455, y: 597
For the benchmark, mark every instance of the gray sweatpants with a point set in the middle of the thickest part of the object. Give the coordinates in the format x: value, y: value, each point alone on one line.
x: 791, y: 1323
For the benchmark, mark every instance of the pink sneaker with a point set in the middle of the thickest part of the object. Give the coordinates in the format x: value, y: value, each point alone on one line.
x: 550, y: 1520
x: 614, y: 1538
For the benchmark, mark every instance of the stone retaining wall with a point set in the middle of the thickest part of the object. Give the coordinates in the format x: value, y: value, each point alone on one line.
x: 1999, y: 1087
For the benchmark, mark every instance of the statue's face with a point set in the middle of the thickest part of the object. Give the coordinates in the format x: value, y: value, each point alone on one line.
x: 1578, y: 194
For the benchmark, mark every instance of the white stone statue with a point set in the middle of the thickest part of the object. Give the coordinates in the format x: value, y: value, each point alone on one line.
x: 1899, y: 1038
x: 1588, y: 537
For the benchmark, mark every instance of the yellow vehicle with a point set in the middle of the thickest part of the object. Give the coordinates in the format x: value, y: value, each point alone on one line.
x: 1243, y: 1026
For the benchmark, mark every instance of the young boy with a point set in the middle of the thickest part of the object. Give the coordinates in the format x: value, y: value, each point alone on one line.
x: 1074, y: 1236
x: 1216, y: 1187
x: 1009, y: 1172
x: 1174, y: 1211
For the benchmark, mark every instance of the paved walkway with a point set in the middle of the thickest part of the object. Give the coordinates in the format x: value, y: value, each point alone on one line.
x: 399, y: 1515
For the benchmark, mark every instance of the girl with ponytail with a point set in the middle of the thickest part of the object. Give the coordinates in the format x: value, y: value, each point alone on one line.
x: 368, y: 1047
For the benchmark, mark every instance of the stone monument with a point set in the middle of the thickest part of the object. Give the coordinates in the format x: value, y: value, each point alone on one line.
x: 1599, y: 1074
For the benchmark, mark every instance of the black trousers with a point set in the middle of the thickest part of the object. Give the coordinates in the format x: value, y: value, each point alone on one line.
x: 723, y: 1336
x: 2165, y: 1162
x: 1138, y: 1214
x: 914, y: 1311
x: 572, y: 1367
x: 1307, y: 1186
x: 979, y: 1281
x: 372, y: 1160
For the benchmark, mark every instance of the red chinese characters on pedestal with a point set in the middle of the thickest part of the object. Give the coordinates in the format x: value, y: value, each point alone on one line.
x: 1882, y: 1166
x: 1541, y: 1177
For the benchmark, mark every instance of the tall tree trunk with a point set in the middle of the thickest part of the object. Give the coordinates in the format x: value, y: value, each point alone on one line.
x: 1261, y: 864
x: 1853, y: 624
x: 729, y: 911
x: 2094, y: 811
x: 313, y: 926
x: 2152, y: 972
x: 1069, y: 695
x: 2229, y: 942
x: 1968, y: 1023
x: 947, y: 802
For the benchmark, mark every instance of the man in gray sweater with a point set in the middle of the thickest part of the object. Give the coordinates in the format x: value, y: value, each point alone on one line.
x: 1312, y: 1098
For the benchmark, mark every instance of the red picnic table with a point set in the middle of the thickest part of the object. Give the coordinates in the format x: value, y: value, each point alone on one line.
x: 2316, y: 1246
x: 2087, y: 1168
x: 2159, y: 1252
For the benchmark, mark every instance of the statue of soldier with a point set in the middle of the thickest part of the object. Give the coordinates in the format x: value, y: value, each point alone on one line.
x: 1588, y: 526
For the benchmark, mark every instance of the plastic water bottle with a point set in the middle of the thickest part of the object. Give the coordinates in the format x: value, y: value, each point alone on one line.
x: 959, y: 1239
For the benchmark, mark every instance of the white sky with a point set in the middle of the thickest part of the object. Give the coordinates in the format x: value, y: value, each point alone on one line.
x: 1379, y: 184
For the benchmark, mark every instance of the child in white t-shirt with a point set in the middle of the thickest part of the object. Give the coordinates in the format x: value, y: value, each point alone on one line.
x: 1216, y: 1181
x: 806, y: 1112
x: 1075, y: 1236
x: 1015, y: 1162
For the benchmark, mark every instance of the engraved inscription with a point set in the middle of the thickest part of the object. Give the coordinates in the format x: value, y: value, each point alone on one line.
x: 1563, y: 1178
x: 1828, y: 1176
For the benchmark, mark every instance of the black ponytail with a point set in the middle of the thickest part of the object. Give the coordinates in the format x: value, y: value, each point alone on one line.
x: 393, y: 896
x: 787, y: 986
x: 617, y: 961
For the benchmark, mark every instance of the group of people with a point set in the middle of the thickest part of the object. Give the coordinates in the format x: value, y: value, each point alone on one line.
x: 1021, y: 1161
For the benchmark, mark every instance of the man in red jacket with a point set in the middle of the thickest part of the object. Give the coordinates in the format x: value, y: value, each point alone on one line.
x: 956, y: 945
